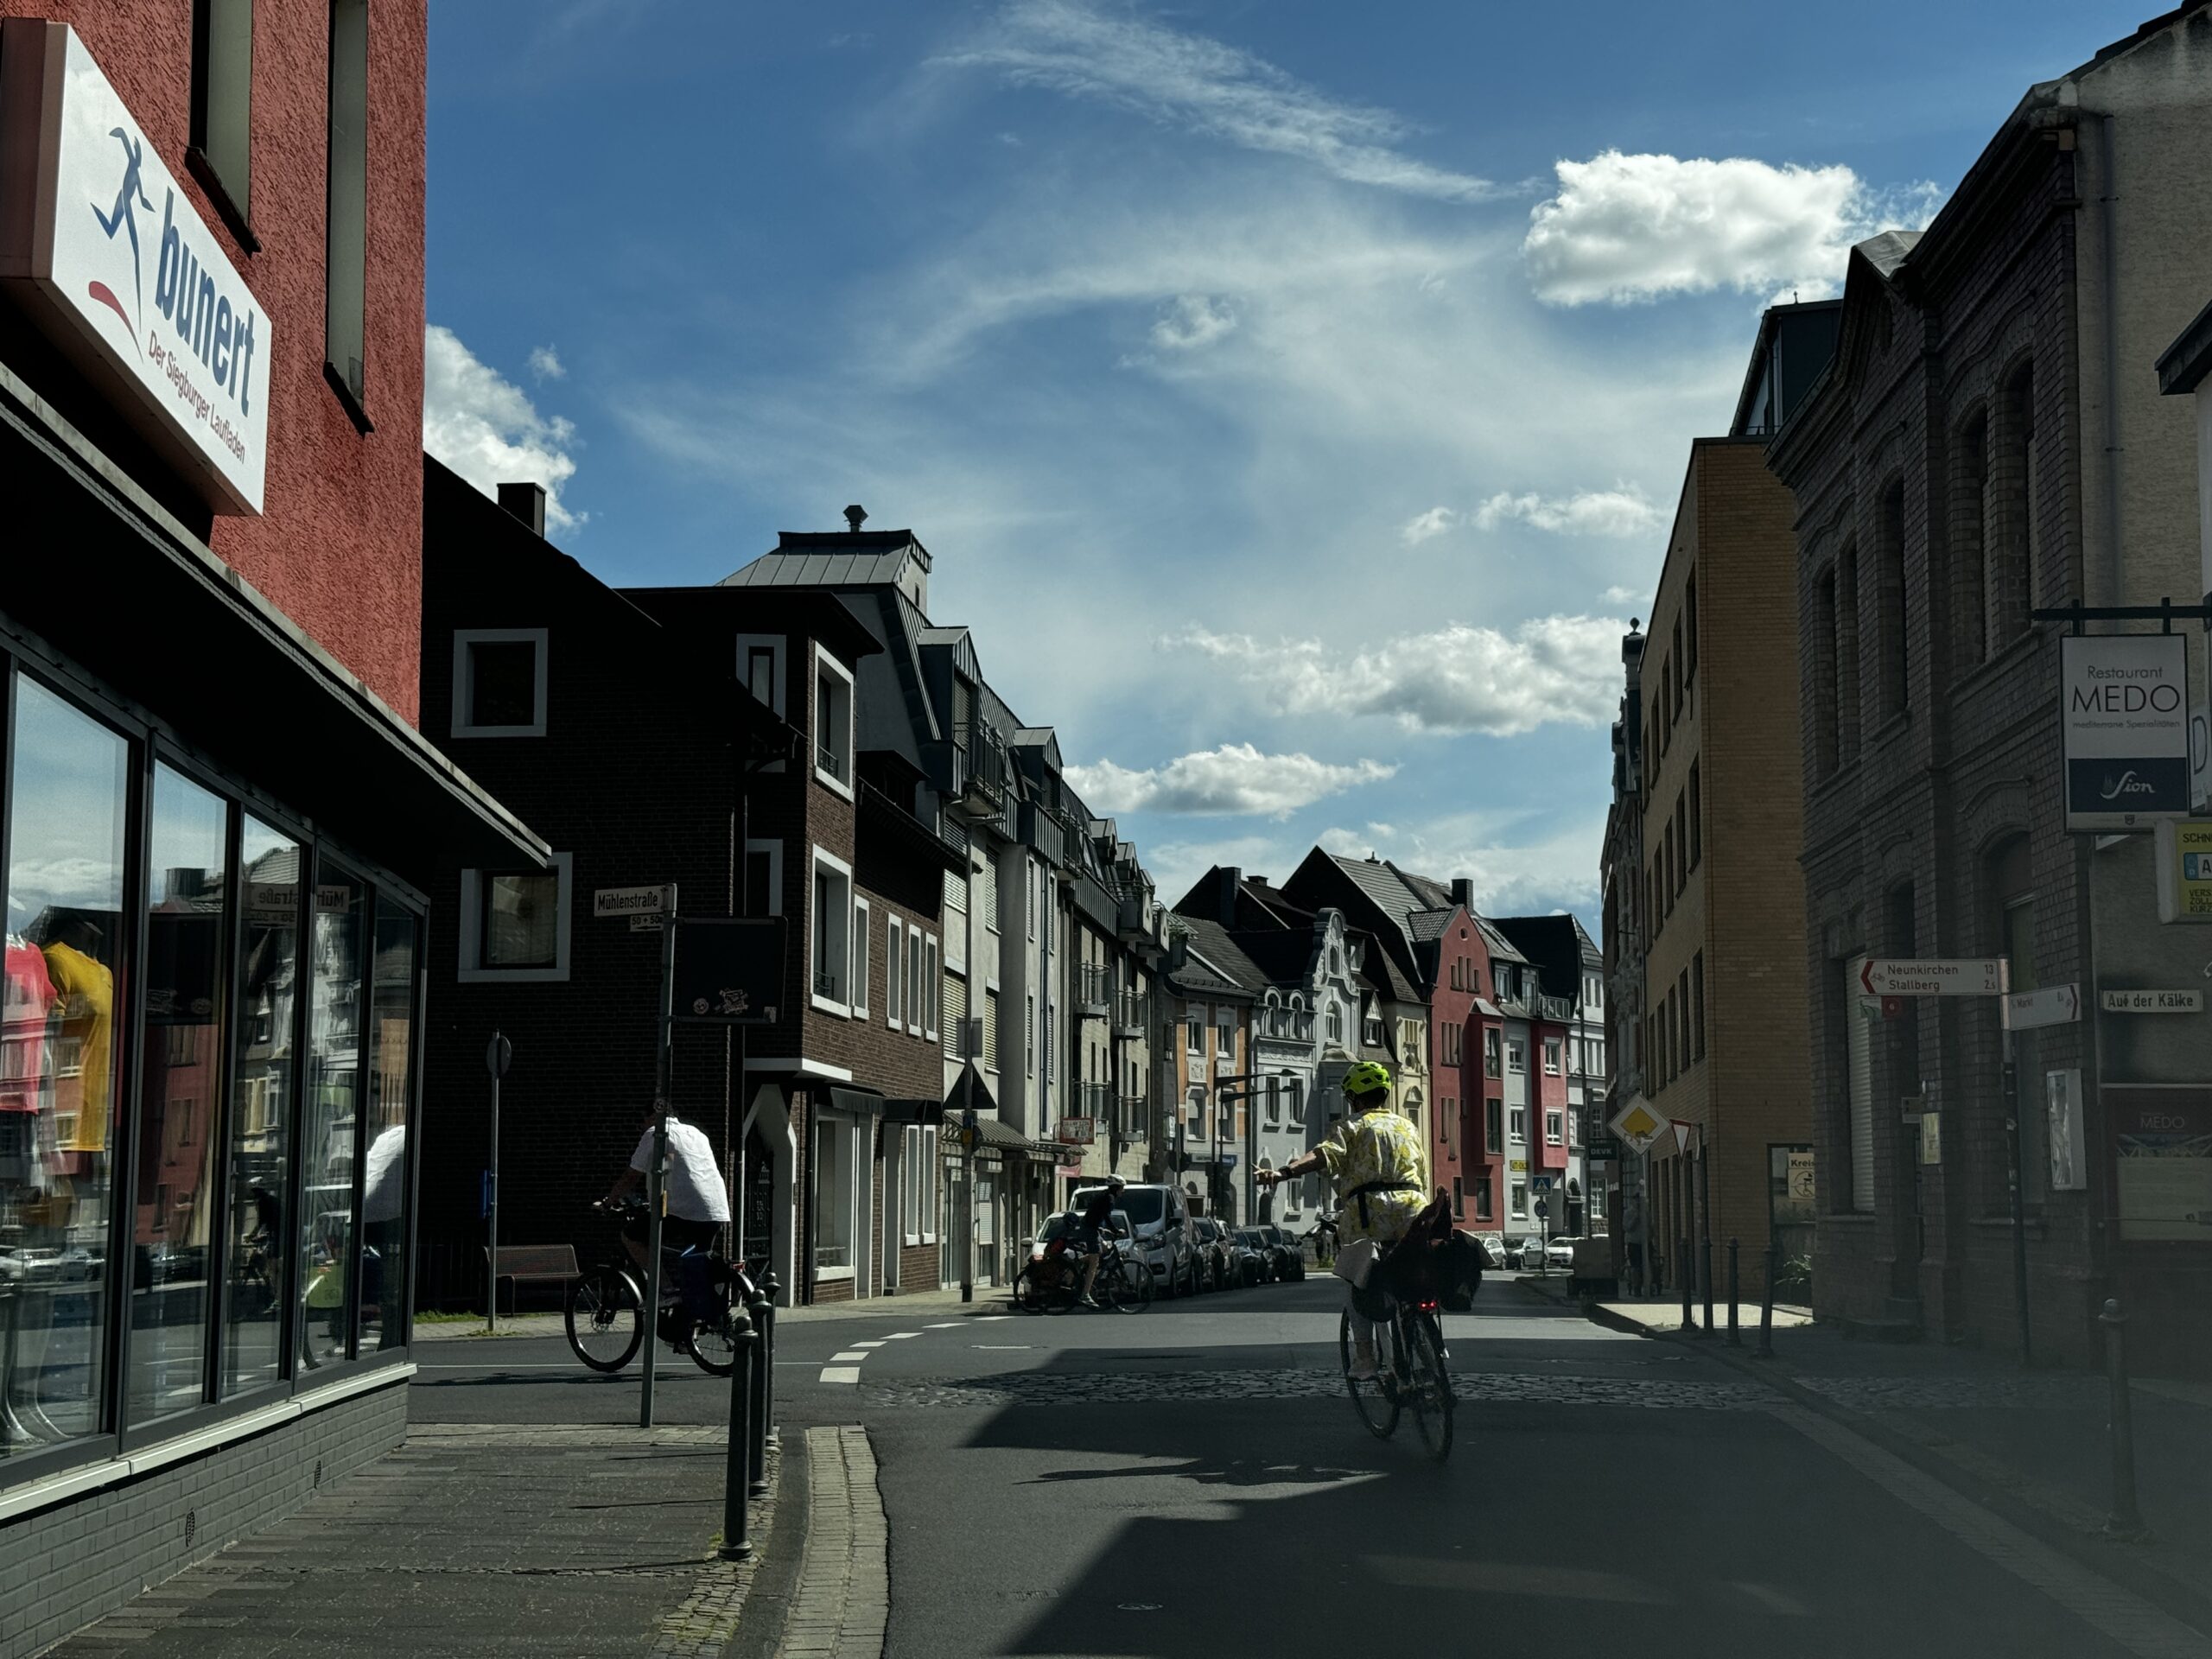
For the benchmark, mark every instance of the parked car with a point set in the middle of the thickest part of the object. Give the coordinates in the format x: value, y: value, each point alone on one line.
x: 1257, y: 1255
x: 1289, y: 1255
x: 1525, y: 1253
x: 1164, y: 1239
x: 1560, y: 1253
x: 1217, y: 1261
x: 1493, y: 1248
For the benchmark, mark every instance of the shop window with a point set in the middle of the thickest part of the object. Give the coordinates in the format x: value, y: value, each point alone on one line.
x: 339, y: 938
x: 255, y: 1288
x: 384, y: 1186
x: 515, y: 923
x: 833, y: 1198
x: 179, y: 1075
x: 833, y: 934
x: 69, y: 791
x: 222, y: 107
x: 833, y: 723
x: 345, y: 252
x: 498, y: 682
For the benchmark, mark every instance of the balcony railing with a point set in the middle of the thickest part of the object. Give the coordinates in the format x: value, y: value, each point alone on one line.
x: 1095, y: 1100
x: 1096, y: 992
x: 829, y: 762
x: 1131, y: 1014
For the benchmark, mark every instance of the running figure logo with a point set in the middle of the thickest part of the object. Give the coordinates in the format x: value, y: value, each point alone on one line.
x: 124, y: 216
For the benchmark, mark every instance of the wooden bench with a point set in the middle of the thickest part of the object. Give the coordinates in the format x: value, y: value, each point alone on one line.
x: 536, y: 1264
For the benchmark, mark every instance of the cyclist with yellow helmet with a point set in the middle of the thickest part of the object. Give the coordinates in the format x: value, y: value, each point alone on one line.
x: 1380, y: 1168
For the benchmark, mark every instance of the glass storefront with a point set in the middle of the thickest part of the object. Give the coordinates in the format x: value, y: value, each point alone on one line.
x: 208, y: 1060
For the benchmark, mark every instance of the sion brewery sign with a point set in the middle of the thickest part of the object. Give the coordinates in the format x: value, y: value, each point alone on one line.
x: 2125, y: 712
x: 123, y: 272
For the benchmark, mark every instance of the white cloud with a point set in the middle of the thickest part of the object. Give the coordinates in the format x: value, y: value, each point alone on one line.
x: 1555, y: 871
x: 1424, y: 526
x: 1618, y: 595
x: 1621, y: 510
x: 1626, y: 228
x: 545, y: 363
x: 1236, y: 778
x: 1191, y: 322
x: 1201, y: 86
x: 1550, y: 670
x: 485, y: 427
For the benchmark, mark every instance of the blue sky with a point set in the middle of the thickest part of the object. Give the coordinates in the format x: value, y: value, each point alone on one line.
x: 1293, y: 395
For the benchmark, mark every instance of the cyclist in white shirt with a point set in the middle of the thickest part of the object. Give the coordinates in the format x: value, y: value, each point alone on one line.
x: 698, y: 1202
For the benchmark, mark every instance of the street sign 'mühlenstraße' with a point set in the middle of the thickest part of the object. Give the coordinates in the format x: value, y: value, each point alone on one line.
x: 1936, y: 976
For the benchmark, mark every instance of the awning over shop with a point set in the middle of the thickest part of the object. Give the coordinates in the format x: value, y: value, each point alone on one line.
x: 261, y: 698
x: 865, y: 1102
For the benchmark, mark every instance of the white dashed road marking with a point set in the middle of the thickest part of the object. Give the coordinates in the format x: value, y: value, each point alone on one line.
x: 901, y: 1336
x: 878, y: 1344
x: 849, y: 1354
x: 840, y: 1374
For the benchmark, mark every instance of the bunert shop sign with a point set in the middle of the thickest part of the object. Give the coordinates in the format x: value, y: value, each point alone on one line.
x: 123, y: 272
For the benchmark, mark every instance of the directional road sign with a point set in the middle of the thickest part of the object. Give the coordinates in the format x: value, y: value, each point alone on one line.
x: 1933, y: 976
x: 2055, y: 1005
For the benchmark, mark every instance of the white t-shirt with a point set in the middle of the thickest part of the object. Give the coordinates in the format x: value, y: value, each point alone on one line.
x: 384, y: 1183
x: 696, y: 1191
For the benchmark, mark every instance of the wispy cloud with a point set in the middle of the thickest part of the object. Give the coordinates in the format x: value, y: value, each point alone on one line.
x: 1426, y: 527
x: 1618, y: 595
x: 1191, y: 322
x: 1200, y: 84
x: 1236, y: 778
x: 545, y: 364
x: 1550, y: 670
x: 1624, y: 228
x: 1554, y: 870
x: 1621, y: 510
x: 485, y: 426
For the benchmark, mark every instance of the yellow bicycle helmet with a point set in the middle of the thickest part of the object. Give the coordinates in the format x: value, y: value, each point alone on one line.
x: 1367, y: 1078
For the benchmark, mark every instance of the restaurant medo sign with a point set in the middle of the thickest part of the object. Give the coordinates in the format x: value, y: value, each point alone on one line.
x: 2125, y: 713
x: 123, y: 272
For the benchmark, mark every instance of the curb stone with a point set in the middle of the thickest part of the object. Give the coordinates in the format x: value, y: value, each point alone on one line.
x: 2053, y: 1517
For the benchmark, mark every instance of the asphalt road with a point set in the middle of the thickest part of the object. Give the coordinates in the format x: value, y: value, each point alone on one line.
x: 1191, y: 1480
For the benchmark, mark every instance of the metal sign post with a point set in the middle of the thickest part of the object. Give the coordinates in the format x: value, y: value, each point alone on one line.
x: 656, y: 1174
x: 497, y: 1057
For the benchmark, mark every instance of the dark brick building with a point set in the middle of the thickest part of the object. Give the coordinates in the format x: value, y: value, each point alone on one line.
x: 1989, y: 439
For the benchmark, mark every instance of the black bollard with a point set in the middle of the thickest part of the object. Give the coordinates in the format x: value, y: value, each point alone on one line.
x: 735, y: 1545
x: 1765, y: 1349
x: 2125, y: 1520
x: 1684, y: 1277
x: 1734, y: 1339
x: 757, y: 1305
x: 1705, y: 1278
x: 768, y: 1288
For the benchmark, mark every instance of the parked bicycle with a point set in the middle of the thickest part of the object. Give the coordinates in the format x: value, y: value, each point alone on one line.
x: 606, y: 1309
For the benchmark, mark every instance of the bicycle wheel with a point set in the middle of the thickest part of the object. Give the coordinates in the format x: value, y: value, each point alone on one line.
x: 713, y: 1344
x: 1027, y: 1296
x: 1376, y: 1406
x: 1131, y: 1288
x: 1427, y: 1386
x: 606, y: 1315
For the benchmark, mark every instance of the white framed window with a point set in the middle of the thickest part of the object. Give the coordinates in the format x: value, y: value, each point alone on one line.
x: 1336, y: 1023
x: 498, y: 682
x: 1051, y: 1046
x: 930, y: 982
x: 1518, y: 1123
x: 894, y: 970
x: 1552, y: 1056
x: 955, y: 1014
x: 918, y: 1185
x: 1555, y: 1128
x: 832, y: 734
x: 830, y: 957
x: 989, y: 881
x: 764, y: 878
x: 956, y: 922
x: 991, y: 1028
x: 761, y: 668
x: 514, y: 924
x: 1517, y: 1054
x: 836, y: 1197
x: 914, y: 997
x: 1520, y: 1200
x: 1029, y: 894
x: 1197, y: 1043
x: 860, y: 958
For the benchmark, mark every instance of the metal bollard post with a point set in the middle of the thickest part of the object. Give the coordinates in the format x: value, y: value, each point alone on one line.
x: 735, y: 1544
x: 757, y: 1440
x: 768, y: 1288
x: 2125, y: 1520
x: 1683, y: 1274
x: 1734, y: 1339
x: 1765, y: 1349
x: 1704, y: 1278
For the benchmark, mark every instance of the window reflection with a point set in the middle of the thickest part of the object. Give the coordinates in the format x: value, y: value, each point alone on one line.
x: 69, y: 796
x: 180, y: 1071
x: 384, y: 1179
x: 268, y: 979
x: 331, y: 1123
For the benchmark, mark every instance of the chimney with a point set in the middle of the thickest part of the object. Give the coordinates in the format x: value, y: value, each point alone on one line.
x: 1232, y: 882
x: 1463, y: 892
x: 856, y: 516
x: 527, y: 502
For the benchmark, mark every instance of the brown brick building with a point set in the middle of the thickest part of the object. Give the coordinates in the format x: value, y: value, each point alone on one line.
x: 1989, y: 441
x: 1723, y: 1039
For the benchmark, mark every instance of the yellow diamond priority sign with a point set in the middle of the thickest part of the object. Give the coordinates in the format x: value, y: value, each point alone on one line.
x: 1638, y: 1126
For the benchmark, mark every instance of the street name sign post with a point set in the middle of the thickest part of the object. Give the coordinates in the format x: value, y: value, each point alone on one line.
x: 2055, y: 1005
x: 651, y: 901
x: 2148, y: 1001
x: 1933, y: 976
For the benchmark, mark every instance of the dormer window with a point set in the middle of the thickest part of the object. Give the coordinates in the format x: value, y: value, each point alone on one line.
x: 833, y: 723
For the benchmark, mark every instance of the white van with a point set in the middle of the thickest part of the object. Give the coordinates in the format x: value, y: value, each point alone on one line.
x: 1163, y: 1220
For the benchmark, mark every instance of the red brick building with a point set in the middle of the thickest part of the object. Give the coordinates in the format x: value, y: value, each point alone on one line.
x: 221, y: 828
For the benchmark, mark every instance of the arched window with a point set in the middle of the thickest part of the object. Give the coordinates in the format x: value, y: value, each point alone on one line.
x: 1892, y: 596
x: 1336, y: 1023
x: 2009, y: 576
x: 1969, y: 536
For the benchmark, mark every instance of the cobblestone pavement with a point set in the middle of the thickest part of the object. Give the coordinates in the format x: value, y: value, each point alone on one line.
x: 843, y: 1603
x: 1961, y: 1392
x: 1150, y: 1388
x: 708, y: 1618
